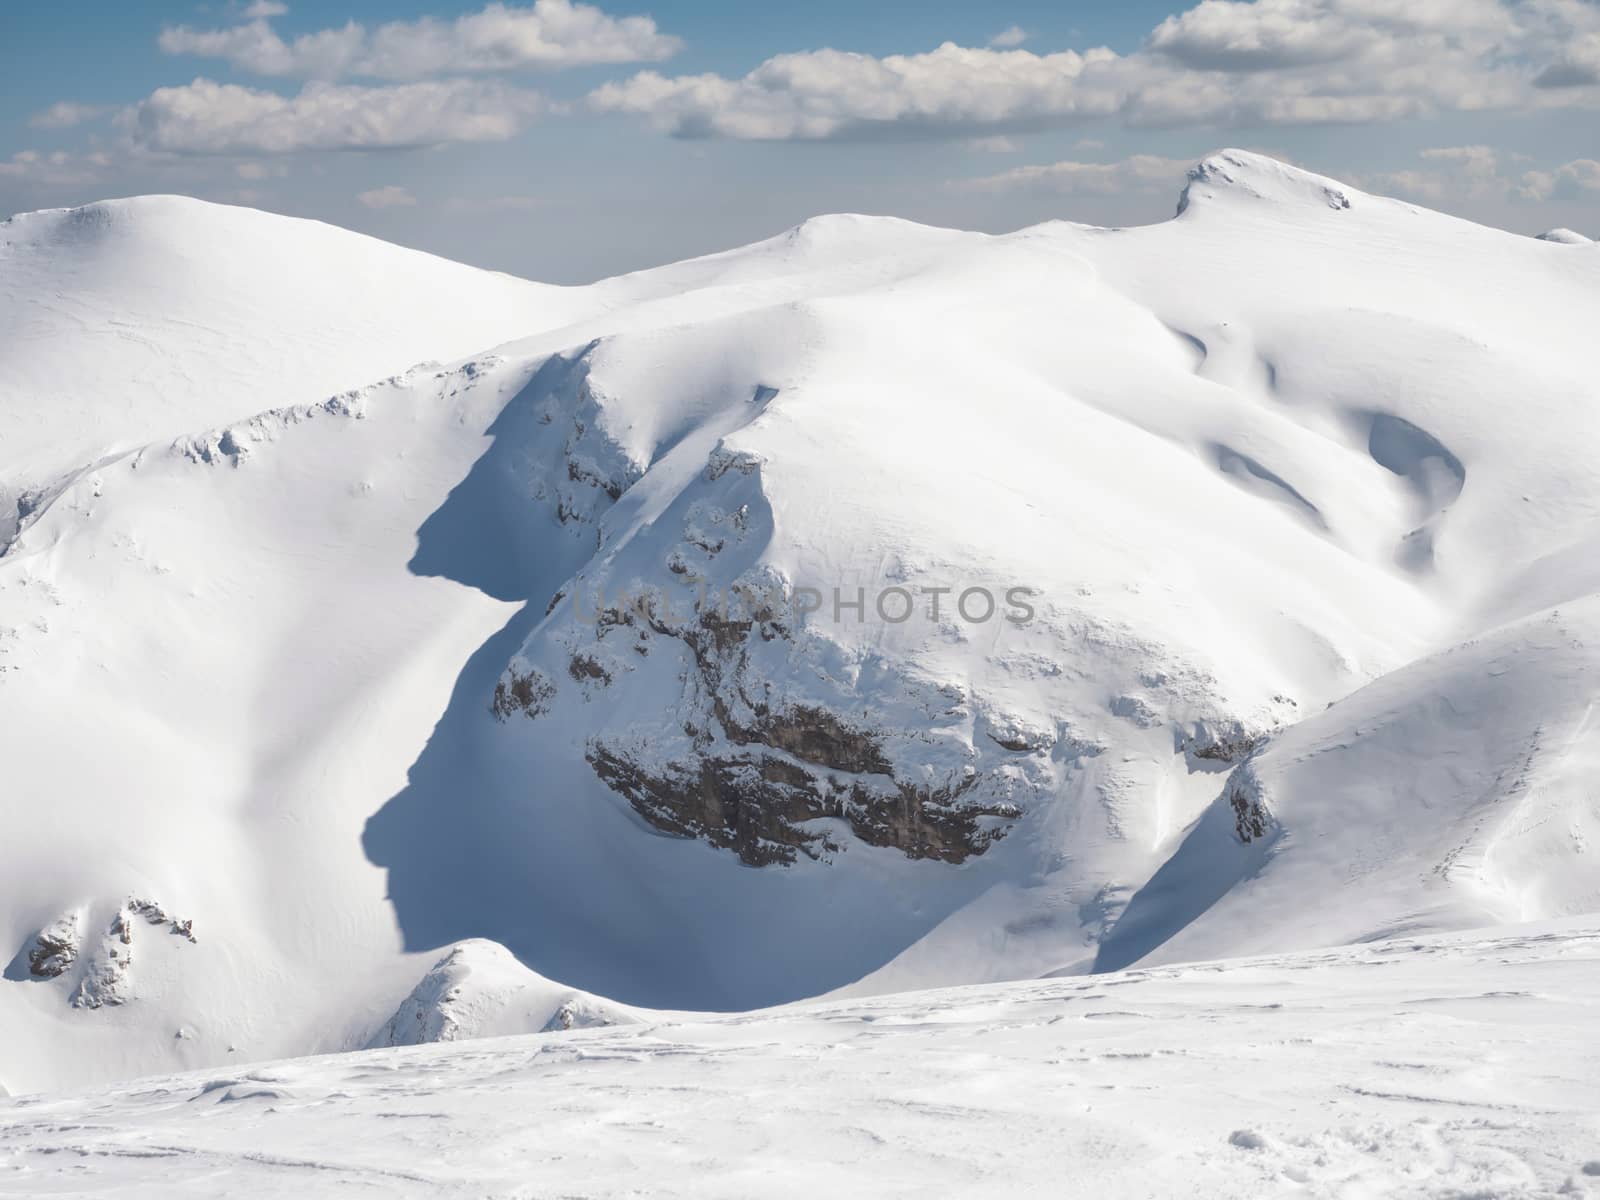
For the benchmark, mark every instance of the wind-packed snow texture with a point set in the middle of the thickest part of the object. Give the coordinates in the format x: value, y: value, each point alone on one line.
x: 1440, y: 1067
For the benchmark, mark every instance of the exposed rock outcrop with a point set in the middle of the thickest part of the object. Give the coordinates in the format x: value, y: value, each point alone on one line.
x: 105, y: 980
x: 103, y: 969
x: 56, y: 947
x: 154, y: 914
x: 522, y: 690
x: 764, y: 780
x: 1252, y: 820
x: 1225, y: 740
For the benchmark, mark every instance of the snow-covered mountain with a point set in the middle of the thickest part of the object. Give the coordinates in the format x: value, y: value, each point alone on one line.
x: 349, y: 701
x: 161, y: 316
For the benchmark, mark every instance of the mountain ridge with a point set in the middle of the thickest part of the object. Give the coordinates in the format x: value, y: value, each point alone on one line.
x: 425, y: 665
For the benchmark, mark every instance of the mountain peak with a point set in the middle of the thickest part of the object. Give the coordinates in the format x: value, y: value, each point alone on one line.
x: 1242, y: 173
x: 183, y: 217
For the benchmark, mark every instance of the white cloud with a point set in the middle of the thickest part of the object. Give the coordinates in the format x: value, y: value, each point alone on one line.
x: 1221, y: 63
x: 549, y: 34
x: 831, y: 93
x: 248, y: 196
x: 492, y: 204
x: 1224, y: 36
x: 1477, y: 172
x: 265, y: 8
x: 1010, y: 38
x: 1478, y: 162
x: 1576, y: 64
x: 57, y: 169
x: 205, y: 117
x: 20, y: 163
x: 995, y: 145
x: 255, y: 47
x: 65, y: 113
x: 1141, y: 172
x: 260, y: 170
x: 1455, y: 171
x: 1256, y: 35
x: 392, y: 196
x: 1576, y: 180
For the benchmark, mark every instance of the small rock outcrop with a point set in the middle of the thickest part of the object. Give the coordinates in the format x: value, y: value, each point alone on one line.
x: 524, y: 691
x: 56, y: 947
x: 154, y: 914
x: 106, y: 977
x: 98, y: 969
x: 1228, y: 739
x: 1252, y: 820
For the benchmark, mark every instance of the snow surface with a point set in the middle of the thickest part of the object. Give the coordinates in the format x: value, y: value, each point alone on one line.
x: 1303, y: 478
x: 1441, y: 1067
x: 157, y: 316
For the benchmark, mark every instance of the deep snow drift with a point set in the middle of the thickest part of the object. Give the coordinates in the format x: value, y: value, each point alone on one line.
x: 300, y: 692
x: 1452, y: 1067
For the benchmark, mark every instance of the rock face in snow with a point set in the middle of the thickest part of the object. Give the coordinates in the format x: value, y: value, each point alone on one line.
x: 92, y: 962
x: 479, y: 990
x: 104, y: 976
x: 56, y: 948
x: 762, y: 782
x: 873, y: 607
x: 107, y: 975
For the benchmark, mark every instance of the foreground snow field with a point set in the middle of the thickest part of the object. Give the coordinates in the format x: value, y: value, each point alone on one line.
x: 349, y: 699
x: 1460, y: 1066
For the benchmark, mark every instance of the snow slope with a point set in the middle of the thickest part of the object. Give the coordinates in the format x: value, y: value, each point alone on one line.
x: 520, y: 649
x: 1444, y: 1067
x: 1458, y: 786
x: 158, y: 316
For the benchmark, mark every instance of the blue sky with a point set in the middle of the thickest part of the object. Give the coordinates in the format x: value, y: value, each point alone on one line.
x: 566, y: 141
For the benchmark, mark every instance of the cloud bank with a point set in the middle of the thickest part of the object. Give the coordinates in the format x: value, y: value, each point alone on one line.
x: 1221, y: 63
x: 205, y: 117
x: 549, y: 35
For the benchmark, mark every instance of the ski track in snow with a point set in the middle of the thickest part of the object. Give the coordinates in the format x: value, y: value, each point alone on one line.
x: 1444, y: 1067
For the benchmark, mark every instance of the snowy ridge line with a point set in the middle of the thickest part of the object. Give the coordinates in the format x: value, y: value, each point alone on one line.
x: 28, y: 505
x: 232, y: 442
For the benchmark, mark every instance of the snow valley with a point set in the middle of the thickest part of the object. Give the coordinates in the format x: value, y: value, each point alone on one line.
x: 873, y: 609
